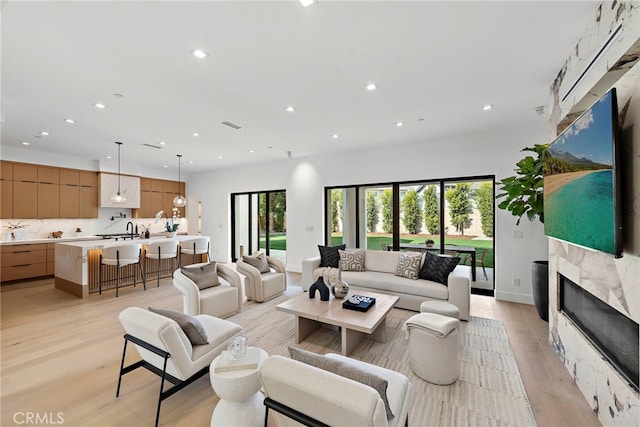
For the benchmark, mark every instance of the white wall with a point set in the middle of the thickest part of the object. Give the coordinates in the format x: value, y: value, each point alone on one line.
x: 493, y: 152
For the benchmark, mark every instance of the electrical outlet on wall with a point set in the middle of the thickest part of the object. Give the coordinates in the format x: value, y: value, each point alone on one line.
x: 518, y: 234
x: 516, y: 282
x: 309, y: 228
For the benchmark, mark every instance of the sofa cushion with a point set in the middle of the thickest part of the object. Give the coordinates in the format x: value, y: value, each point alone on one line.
x: 191, y: 326
x: 258, y: 261
x: 383, y: 261
x: 394, y: 285
x: 352, y: 260
x: 437, y: 268
x: 346, y: 370
x: 409, y: 265
x: 204, y: 276
x: 329, y: 256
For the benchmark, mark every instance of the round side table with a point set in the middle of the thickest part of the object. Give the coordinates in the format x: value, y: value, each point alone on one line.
x: 238, y: 387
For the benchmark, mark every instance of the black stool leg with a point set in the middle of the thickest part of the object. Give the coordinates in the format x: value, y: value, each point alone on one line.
x: 118, y: 272
x: 100, y: 277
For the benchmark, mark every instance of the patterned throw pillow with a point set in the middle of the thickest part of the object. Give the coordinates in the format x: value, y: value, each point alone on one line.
x: 191, y: 326
x: 329, y: 256
x: 258, y: 260
x: 409, y: 265
x: 352, y: 260
x: 204, y: 276
x: 437, y: 268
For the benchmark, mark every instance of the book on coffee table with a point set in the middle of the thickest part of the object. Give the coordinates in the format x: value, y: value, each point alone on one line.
x: 359, y: 303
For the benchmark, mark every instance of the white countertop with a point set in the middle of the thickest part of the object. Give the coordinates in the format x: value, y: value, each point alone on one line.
x: 47, y: 240
x: 104, y: 243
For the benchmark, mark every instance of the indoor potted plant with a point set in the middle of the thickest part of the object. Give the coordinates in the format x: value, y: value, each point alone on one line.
x: 524, y: 195
x: 429, y: 243
x: 170, y: 225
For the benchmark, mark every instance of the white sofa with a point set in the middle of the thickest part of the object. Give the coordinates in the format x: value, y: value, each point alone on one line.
x: 379, y: 276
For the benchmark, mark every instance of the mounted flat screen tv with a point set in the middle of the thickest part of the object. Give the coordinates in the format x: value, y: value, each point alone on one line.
x: 581, y: 181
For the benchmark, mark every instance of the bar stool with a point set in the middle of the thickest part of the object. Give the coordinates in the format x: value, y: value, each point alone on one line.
x: 195, y: 246
x: 121, y: 256
x: 162, y: 249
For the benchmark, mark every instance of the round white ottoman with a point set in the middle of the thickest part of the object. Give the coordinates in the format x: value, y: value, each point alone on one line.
x: 433, y: 347
x: 440, y: 307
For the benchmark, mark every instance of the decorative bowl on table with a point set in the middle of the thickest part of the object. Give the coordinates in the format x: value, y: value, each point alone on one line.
x: 339, y: 289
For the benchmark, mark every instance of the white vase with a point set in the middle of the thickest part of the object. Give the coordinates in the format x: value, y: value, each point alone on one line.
x: 170, y: 234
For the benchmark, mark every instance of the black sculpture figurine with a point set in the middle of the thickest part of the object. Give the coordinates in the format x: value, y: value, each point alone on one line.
x: 320, y: 287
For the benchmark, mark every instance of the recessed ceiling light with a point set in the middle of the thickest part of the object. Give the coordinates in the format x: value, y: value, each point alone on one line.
x: 371, y: 86
x: 334, y: 136
x: 306, y: 3
x: 24, y: 143
x: 487, y: 107
x: 107, y: 156
x: 199, y: 53
x: 165, y: 166
x: 195, y: 134
x: 399, y: 124
x: 162, y: 143
x: 220, y: 157
x: 44, y: 133
x: 69, y: 121
x: 99, y: 105
x: 252, y: 151
x: 290, y: 109
x: 191, y: 162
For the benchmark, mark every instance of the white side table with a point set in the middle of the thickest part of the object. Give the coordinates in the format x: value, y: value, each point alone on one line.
x: 241, y: 403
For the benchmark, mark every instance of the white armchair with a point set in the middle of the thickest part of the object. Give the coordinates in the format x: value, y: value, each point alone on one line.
x: 166, y: 350
x: 313, y: 396
x: 220, y: 301
x: 261, y: 287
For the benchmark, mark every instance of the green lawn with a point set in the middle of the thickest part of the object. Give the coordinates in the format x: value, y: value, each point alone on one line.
x: 279, y: 242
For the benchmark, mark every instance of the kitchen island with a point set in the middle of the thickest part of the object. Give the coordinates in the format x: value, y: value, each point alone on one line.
x: 77, y: 265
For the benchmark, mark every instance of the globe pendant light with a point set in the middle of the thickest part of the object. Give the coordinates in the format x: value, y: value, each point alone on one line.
x: 179, y: 201
x: 118, y: 198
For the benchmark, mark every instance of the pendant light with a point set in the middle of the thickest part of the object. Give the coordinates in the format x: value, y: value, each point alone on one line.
x: 179, y: 201
x: 118, y: 198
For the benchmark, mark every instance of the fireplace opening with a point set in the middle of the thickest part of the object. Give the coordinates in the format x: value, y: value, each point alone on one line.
x: 611, y: 332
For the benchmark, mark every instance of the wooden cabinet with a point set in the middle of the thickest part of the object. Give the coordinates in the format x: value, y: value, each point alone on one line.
x: 151, y: 197
x: 23, y: 261
x: 88, y: 195
x: 25, y: 200
x: 48, y: 175
x: 51, y: 258
x: 48, y: 200
x: 25, y: 172
x: 6, y: 189
x: 69, y: 201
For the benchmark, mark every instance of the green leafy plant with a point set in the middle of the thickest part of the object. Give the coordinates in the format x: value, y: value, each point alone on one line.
x: 524, y: 193
x: 387, y: 210
x: 484, y: 200
x: 431, y: 210
x: 372, y: 211
x: 412, y: 217
x: 460, y: 206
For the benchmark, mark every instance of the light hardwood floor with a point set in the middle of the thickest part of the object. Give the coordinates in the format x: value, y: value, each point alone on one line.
x: 61, y: 355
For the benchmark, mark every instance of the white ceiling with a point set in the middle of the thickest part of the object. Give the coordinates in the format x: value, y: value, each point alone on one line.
x: 436, y: 65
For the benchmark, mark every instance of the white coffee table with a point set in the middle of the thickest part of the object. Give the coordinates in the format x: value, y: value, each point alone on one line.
x: 241, y: 403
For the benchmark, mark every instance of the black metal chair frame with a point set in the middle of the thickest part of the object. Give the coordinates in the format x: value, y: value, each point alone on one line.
x: 159, y: 261
x: 195, y: 255
x: 297, y: 415
x: 144, y: 281
x: 178, y: 384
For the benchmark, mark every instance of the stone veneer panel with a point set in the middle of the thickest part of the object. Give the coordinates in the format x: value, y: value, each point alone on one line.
x: 614, y: 281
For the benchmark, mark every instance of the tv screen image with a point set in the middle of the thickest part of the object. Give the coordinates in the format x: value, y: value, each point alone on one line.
x: 581, y: 204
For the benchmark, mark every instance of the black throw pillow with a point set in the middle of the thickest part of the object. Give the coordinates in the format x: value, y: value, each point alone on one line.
x: 329, y: 256
x: 437, y: 268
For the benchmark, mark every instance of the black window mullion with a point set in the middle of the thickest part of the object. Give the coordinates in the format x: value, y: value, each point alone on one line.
x: 396, y: 217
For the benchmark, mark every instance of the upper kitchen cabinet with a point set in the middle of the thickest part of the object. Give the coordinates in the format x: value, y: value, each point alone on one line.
x: 25, y: 191
x: 129, y: 187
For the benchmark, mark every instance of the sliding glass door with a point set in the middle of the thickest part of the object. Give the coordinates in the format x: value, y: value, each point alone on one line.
x: 447, y: 216
x: 259, y: 224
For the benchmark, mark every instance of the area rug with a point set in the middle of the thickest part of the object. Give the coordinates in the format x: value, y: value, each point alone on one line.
x: 489, y: 391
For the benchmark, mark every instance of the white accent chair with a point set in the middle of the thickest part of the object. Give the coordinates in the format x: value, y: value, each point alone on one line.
x: 300, y: 393
x: 166, y: 351
x: 159, y: 250
x: 261, y: 287
x: 220, y: 301
x: 194, y: 247
x: 118, y: 257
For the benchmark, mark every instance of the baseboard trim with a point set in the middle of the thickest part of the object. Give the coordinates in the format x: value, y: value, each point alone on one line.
x: 511, y: 297
x: 72, y: 288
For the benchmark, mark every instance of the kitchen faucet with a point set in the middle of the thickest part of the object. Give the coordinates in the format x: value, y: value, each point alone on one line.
x: 130, y: 232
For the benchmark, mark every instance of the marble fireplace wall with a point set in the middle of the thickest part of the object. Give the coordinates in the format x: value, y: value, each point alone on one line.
x: 615, y: 33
